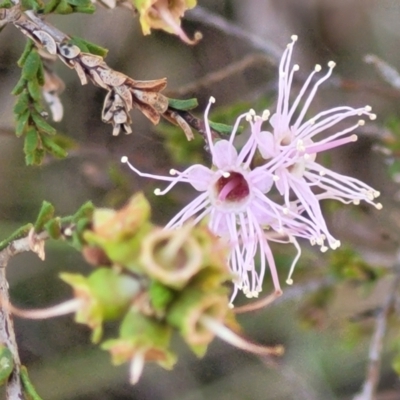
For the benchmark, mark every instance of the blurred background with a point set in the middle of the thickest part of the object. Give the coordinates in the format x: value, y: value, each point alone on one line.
x: 326, y: 320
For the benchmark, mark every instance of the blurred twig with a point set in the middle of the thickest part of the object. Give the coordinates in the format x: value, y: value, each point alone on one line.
x: 387, y: 72
x: 375, y: 350
x: 7, y: 334
x: 217, y: 76
x: 206, y: 17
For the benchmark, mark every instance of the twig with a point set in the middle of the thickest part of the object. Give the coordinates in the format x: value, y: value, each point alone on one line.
x: 212, y: 78
x: 206, y: 17
x: 14, y: 389
x: 375, y: 350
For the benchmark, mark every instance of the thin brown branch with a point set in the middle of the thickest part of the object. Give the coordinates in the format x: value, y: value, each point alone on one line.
x: 212, y: 78
x: 375, y: 351
x: 206, y: 17
x: 14, y: 389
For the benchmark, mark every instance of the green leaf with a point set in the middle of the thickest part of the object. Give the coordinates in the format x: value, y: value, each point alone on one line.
x: 53, y: 228
x: 45, y: 215
x: 28, y: 386
x: 40, y: 75
x: 52, y: 147
x: 42, y: 124
x: 19, y: 87
x: 50, y: 6
x: 22, y: 120
x: 31, y: 141
x: 223, y: 128
x: 29, y: 46
x: 20, y: 233
x: 6, y: 363
x: 22, y: 104
x: 80, y: 3
x: 85, y: 9
x: 34, y: 89
x: 6, y: 4
x: 85, y: 211
x: 184, y: 105
x: 88, y: 47
x: 31, y: 66
x: 64, y: 8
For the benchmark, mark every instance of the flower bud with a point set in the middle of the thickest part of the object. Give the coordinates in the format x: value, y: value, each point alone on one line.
x: 185, y: 315
x: 105, y: 294
x: 172, y: 257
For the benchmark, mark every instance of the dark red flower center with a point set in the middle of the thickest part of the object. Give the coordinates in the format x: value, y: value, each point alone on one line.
x: 233, y: 188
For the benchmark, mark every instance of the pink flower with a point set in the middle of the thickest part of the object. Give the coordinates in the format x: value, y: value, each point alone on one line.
x: 292, y: 146
x: 234, y: 199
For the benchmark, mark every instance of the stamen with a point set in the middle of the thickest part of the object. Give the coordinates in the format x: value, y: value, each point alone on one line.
x: 232, y: 338
x: 265, y: 115
x: 136, y: 367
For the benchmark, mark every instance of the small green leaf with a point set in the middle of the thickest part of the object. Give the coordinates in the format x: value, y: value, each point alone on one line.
x: 223, y: 128
x: 21, y: 232
x: 21, y: 123
x: 28, y: 386
x: 53, y: 228
x: 184, y: 105
x: 31, y: 66
x: 42, y: 124
x: 50, y: 6
x: 64, y: 8
x: 40, y: 75
x: 6, y: 363
x: 80, y: 3
x: 31, y: 141
x: 27, y: 50
x: 34, y: 89
x: 85, y: 211
x: 88, y: 47
x: 52, y: 147
x: 90, y: 9
x: 22, y: 104
x: 6, y: 4
x: 19, y: 87
x: 45, y: 215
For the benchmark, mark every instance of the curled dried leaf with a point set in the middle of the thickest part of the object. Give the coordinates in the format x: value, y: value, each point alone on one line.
x: 47, y: 41
x: 69, y: 50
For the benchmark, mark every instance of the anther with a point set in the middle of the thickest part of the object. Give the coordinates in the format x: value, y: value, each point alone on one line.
x: 212, y: 99
x: 157, y: 191
x: 124, y: 159
x: 265, y: 115
x: 317, y: 68
x: 294, y: 38
x: 173, y: 171
x: 331, y: 64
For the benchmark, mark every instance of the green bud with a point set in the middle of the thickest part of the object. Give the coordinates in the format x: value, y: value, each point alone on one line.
x: 171, y: 256
x: 186, y: 312
x: 139, y: 333
x: 106, y: 295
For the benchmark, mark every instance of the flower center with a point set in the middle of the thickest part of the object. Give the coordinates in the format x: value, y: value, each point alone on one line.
x: 233, y: 188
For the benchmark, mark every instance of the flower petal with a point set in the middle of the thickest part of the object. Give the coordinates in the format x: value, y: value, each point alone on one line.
x: 224, y: 154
